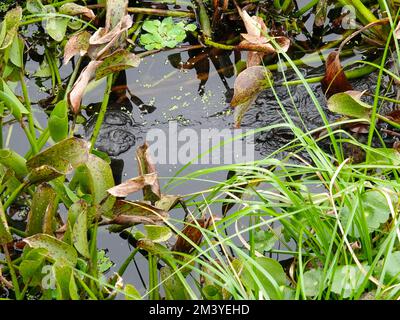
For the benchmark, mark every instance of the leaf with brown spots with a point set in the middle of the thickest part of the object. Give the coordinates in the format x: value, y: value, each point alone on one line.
x: 335, y: 80
x: 73, y: 9
x: 77, y: 44
x: 115, y: 62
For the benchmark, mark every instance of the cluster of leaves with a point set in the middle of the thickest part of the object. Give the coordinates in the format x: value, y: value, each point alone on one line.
x: 164, y: 34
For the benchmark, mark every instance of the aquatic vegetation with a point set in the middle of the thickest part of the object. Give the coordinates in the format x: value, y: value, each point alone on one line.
x: 327, y: 198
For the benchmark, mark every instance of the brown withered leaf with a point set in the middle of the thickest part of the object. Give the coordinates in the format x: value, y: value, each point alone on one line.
x: 135, y: 212
x: 103, y: 41
x: 133, y: 185
x: 146, y: 166
x: 77, y: 44
x: 255, y: 41
x: 335, y: 80
x: 77, y: 91
x: 193, y: 232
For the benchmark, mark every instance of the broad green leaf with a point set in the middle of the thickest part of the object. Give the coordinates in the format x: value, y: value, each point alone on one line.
x: 174, y: 289
x: 58, y: 121
x: 157, y: 233
x: 58, y: 160
x: 12, y: 102
x: 57, y: 250
x: 10, y: 24
x: 312, y: 282
x: 95, y: 178
x: 167, y: 202
x: 41, y: 216
x: 79, y: 234
x: 115, y: 62
x: 12, y: 160
x: 63, y: 274
x: 374, y: 211
x: 347, y: 280
x: 131, y: 293
x: 17, y: 52
x: 190, y: 27
x: 151, y: 26
x: 271, y: 267
x: 393, y: 266
x: 265, y: 240
x: 349, y: 104
x: 34, y: 6
x: 73, y: 212
x: 5, y: 235
x: 31, y: 267
x: 56, y: 26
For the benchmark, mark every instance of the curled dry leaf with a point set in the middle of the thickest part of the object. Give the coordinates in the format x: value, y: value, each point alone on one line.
x: 77, y: 44
x: 335, y: 80
x: 133, y: 185
x: 102, y: 40
x: 255, y: 41
x: 77, y: 91
x: 146, y: 166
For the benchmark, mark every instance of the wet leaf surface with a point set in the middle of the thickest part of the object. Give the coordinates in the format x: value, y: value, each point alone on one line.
x: 349, y: 104
x: 117, y: 61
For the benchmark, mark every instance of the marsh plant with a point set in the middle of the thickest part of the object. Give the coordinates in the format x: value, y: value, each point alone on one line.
x: 318, y: 218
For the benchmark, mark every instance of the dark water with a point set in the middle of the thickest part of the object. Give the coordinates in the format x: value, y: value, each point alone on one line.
x: 165, y: 88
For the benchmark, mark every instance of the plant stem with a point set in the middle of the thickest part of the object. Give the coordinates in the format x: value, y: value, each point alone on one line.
x: 103, y: 109
x: 163, y: 13
x: 304, y: 9
x: 27, y: 103
x: 15, y: 194
x: 126, y: 263
x: 12, y: 272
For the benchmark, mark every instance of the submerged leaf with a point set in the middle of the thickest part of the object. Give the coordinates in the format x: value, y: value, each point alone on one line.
x: 335, y: 80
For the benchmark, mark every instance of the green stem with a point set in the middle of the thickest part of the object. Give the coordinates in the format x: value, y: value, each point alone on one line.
x: 163, y: 13
x: 126, y: 263
x: 286, y: 5
x: 103, y: 109
x: 304, y: 9
x: 27, y: 103
x: 86, y: 288
x: 43, y: 138
x: 15, y: 194
x: 12, y: 272
x: 31, y: 139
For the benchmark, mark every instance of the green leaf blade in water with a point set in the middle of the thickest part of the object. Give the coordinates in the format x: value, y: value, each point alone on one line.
x: 157, y: 233
x: 349, y: 104
x: 115, y: 62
